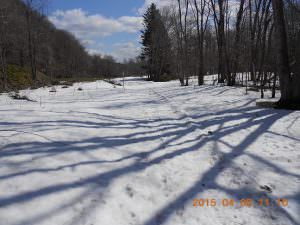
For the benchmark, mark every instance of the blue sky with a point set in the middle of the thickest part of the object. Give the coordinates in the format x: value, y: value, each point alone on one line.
x: 110, y: 8
x: 106, y: 27
x: 103, y: 26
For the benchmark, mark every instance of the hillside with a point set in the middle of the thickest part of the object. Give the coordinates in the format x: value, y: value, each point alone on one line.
x: 20, y: 78
x: 33, y: 44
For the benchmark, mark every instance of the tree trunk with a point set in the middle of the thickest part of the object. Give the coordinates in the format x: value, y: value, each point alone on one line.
x: 289, y: 85
x: 30, y: 45
x: 237, y: 41
x: 3, y: 67
x: 201, y: 26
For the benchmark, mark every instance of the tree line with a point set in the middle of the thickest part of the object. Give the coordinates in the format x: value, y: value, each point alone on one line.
x: 29, y: 40
x: 247, y: 42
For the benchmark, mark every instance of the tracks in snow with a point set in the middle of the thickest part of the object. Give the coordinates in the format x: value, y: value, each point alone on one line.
x: 182, y: 115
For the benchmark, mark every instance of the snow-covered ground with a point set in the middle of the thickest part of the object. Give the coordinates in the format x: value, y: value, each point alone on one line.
x: 140, y: 156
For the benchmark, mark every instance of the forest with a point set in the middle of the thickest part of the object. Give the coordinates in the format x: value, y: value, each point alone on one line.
x: 29, y: 40
x: 247, y: 43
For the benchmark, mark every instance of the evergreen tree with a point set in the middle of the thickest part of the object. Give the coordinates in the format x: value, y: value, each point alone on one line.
x: 156, y: 45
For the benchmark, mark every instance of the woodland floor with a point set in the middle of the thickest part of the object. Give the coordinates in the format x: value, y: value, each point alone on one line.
x: 140, y: 156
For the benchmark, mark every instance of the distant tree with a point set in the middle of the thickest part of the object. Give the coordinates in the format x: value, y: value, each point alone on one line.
x: 183, y: 39
x: 220, y: 11
x: 237, y: 40
x: 156, y: 45
x: 108, y: 66
x: 5, y: 41
x: 31, y: 35
x: 201, y: 23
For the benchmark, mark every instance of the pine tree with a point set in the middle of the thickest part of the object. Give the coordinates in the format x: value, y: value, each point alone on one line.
x: 156, y: 45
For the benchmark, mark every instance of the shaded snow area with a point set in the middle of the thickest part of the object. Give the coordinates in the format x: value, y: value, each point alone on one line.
x: 141, y: 156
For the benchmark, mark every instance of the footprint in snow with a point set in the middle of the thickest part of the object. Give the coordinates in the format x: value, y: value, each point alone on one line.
x: 266, y: 188
x: 180, y: 211
x: 165, y: 180
x: 129, y: 191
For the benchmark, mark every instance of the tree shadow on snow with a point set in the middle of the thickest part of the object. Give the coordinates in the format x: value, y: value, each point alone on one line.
x: 170, y: 130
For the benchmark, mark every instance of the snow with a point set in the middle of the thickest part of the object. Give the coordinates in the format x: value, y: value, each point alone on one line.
x: 141, y: 155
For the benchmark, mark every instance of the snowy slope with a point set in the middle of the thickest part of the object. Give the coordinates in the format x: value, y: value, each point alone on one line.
x: 140, y: 156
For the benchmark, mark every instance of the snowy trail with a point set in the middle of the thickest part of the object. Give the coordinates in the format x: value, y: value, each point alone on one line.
x: 142, y: 155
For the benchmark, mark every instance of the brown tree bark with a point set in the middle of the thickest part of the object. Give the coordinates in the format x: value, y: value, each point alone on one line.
x: 237, y: 42
x: 3, y: 67
x: 201, y: 22
x: 289, y: 84
x: 4, y: 44
x: 219, y: 11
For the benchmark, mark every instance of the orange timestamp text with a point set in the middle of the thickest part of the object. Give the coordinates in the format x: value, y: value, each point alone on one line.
x: 247, y: 202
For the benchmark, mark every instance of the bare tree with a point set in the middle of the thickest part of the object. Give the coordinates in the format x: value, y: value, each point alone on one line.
x: 219, y: 11
x: 289, y: 84
x: 33, y: 15
x: 183, y: 40
x: 202, y: 15
x: 5, y: 41
x: 237, y: 40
